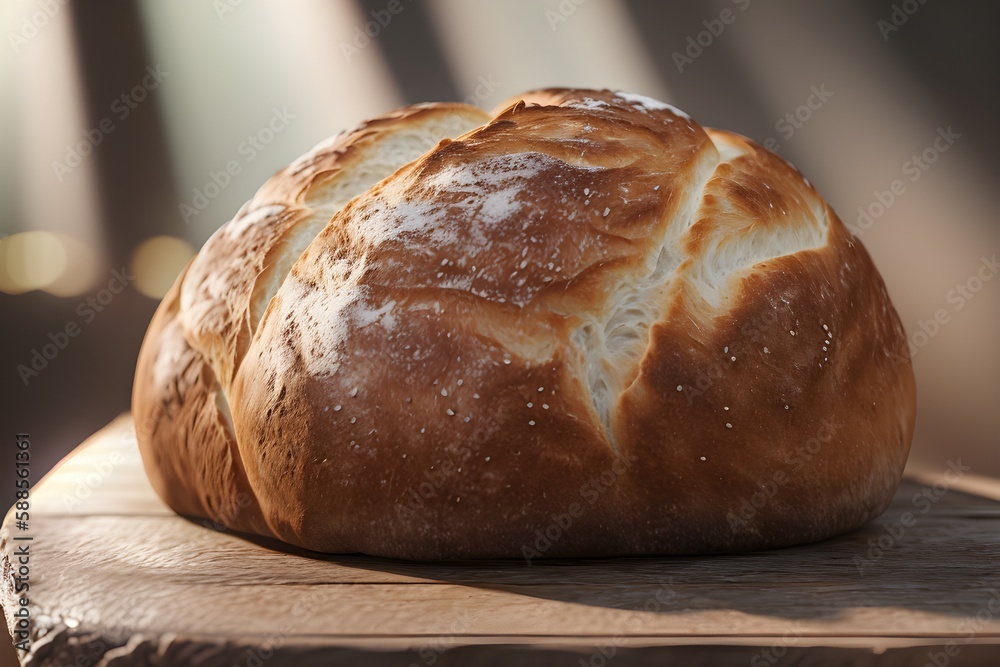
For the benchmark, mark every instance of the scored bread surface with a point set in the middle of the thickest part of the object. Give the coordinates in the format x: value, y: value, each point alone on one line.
x: 440, y: 333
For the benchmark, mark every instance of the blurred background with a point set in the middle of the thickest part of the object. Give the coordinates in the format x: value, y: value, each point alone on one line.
x: 130, y: 130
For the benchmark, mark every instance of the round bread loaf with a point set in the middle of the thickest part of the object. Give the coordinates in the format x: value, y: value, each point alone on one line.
x: 584, y: 326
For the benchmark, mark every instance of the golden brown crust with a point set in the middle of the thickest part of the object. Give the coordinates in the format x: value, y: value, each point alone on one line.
x: 589, y: 312
x: 202, y: 328
x: 184, y: 431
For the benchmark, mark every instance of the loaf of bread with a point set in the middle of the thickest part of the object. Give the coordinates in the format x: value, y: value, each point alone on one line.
x: 583, y: 326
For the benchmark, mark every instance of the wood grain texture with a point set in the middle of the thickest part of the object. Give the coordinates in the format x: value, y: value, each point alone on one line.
x: 118, y: 579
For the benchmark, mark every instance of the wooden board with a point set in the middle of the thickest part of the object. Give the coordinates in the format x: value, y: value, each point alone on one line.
x: 118, y: 578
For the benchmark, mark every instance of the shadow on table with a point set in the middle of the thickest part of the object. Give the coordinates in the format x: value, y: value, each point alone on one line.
x: 945, y: 561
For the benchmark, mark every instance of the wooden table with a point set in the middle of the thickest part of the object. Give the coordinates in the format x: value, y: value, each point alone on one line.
x: 118, y: 579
